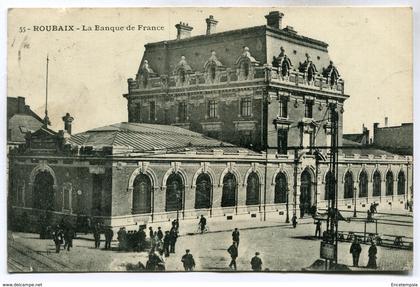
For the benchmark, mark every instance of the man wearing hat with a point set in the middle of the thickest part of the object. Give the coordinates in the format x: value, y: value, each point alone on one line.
x: 256, y: 262
x: 188, y: 261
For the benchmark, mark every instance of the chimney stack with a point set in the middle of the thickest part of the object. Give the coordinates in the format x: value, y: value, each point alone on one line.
x: 274, y: 19
x: 211, y: 25
x: 183, y: 30
x: 21, y: 105
x: 386, y: 122
x: 67, y: 119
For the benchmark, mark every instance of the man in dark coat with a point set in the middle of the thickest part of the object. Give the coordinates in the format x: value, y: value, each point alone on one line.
x: 151, y: 233
x: 233, y: 251
x: 97, y: 235
x: 202, y: 223
x: 142, y: 239
x: 166, y: 243
x: 109, y: 233
x: 256, y: 262
x: 188, y: 261
x: 160, y: 233
x: 173, y: 236
x: 355, y: 250
x: 68, y: 237
x: 372, y: 256
x: 318, y: 228
x: 294, y: 220
x: 58, y: 238
x: 235, y: 236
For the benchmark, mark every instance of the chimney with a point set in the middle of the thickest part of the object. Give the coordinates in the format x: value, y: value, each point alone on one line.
x: 274, y: 19
x: 386, y: 122
x: 67, y: 119
x: 183, y: 31
x: 375, y: 130
x: 21, y: 105
x: 366, y: 135
x: 211, y: 25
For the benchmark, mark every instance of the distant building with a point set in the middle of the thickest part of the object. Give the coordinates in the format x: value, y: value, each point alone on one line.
x: 20, y: 120
x: 361, y: 139
x: 395, y: 139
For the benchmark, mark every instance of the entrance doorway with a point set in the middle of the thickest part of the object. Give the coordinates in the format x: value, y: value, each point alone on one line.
x: 305, y: 193
x: 44, y: 197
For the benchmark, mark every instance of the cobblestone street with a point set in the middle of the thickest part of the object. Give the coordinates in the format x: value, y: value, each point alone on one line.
x: 282, y: 248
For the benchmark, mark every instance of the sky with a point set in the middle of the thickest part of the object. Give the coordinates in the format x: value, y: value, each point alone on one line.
x: 88, y: 70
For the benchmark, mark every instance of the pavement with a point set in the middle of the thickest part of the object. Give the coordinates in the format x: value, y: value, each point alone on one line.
x: 282, y: 248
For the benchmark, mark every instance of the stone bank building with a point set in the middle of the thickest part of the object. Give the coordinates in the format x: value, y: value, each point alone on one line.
x: 213, y: 125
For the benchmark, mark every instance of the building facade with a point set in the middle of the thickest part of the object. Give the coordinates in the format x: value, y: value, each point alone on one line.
x: 212, y: 123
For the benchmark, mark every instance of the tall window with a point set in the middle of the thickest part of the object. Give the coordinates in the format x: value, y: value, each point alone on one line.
x: 229, y: 190
x: 182, y: 112
x: 309, y: 104
x: 376, y: 184
x: 213, y: 72
x: 280, y: 191
x: 283, y: 107
x: 401, y: 183
x: 389, y: 183
x: 348, y: 185
x: 152, y: 111
x: 203, y: 189
x: 67, y: 188
x: 142, y: 190
x: 212, y: 109
x: 363, y: 184
x: 329, y: 186
x: 253, y: 189
x: 174, y: 192
x: 246, y: 107
x: 282, y: 141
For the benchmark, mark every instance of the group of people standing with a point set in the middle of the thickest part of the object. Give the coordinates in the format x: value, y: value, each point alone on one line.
x: 356, y: 249
x: 63, y: 234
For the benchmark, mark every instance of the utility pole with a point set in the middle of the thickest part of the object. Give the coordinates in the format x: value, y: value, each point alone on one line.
x: 355, y: 202
x: 46, y: 119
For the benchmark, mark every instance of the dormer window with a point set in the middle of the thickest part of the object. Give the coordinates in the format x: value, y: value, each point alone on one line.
x: 245, y: 69
x: 213, y: 72
x: 182, y: 77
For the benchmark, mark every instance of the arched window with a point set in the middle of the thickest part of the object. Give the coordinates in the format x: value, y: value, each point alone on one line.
x: 401, y: 183
x: 348, y: 185
x: 203, y: 189
x: 329, y: 185
x: 253, y: 189
x: 389, y: 183
x: 142, y: 191
x: 377, y: 184
x: 229, y: 190
x: 174, y: 192
x: 280, y: 192
x: 213, y: 72
x: 44, y: 197
x: 363, y: 184
x: 306, y: 189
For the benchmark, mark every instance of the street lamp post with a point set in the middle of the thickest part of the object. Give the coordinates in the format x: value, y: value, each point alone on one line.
x: 287, y: 205
x: 355, y: 202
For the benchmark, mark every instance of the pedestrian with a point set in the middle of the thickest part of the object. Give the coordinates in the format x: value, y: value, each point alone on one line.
x: 294, y: 220
x: 233, y: 251
x: 188, y: 261
x: 141, y: 238
x: 174, y: 236
x: 68, y: 237
x: 256, y: 262
x: 97, y: 235
x: 122, y: 238
x: 369, y: 216
x: 202, y: 224
x: 160, y: 233
x: 58, y: 238
x: 109, y: 233
x: 355, y: 250
x: 151, y: 232
x: 318, y: 224
x: 372, y: 256
x: 166, y: 243
x: 235, y: 236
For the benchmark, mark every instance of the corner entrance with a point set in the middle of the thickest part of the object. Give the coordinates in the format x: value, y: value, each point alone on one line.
x: 43, y: 195
x: 305, y: 193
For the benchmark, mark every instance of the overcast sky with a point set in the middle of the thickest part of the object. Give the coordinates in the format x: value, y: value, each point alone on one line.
x: 88, y: 71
